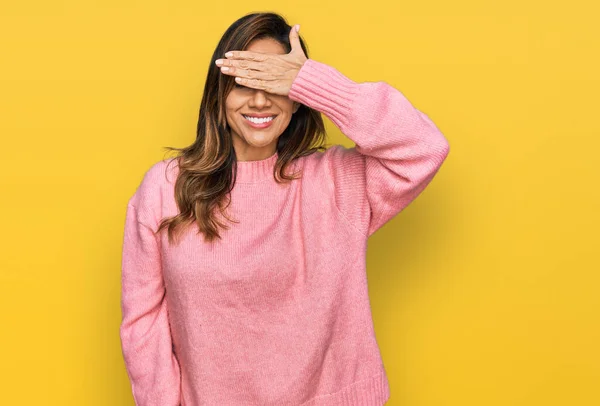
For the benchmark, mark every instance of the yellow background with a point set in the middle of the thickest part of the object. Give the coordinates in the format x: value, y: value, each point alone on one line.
x: 485, y: 290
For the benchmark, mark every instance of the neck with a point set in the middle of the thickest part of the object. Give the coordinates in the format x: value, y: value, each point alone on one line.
x: 256, y: 170
x: 254, y: 154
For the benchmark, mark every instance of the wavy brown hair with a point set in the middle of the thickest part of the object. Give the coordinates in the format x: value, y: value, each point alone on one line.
x: 207, y: 168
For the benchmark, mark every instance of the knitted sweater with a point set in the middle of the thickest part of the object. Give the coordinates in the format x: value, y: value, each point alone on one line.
x: 277, y: 312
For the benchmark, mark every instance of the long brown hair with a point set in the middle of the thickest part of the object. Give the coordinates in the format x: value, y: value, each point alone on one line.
x: 207, y: 168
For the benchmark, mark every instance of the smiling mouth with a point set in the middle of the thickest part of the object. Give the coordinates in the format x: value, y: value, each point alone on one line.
x: 259, y: 120
x: 259, y: 123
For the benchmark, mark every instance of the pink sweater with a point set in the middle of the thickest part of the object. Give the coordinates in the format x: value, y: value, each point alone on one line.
x: 278, y: 312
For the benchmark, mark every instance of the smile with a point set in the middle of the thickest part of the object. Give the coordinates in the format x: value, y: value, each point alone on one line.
x: 262, y: 122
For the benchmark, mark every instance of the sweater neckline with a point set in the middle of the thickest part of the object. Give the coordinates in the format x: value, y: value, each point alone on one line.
x: 256, y: 171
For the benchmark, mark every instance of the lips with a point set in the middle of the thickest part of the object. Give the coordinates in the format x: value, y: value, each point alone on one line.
x: 260, y: 115
x: 259, y: 125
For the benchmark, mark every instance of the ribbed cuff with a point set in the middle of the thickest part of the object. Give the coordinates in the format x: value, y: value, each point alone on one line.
x: 324, y: 88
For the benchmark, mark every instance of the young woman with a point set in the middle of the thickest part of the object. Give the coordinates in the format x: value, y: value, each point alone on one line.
x: 243, y: 273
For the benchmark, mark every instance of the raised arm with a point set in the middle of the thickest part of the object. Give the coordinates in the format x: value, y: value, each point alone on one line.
x: 152, y: 367
x: 398, y: 148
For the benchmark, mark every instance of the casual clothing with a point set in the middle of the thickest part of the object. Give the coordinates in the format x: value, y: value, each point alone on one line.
x: 277, y: 312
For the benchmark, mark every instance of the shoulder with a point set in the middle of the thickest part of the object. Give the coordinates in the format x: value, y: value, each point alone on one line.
x: 156, y: 180
x: 338, y: 171
x: 337, y: 183
x: 335, y: 160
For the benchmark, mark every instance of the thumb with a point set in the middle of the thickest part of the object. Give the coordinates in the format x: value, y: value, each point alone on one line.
x: 295, y: 39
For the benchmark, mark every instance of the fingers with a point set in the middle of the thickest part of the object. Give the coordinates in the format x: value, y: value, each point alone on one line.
x: 248, y: 55
x: 295, y: 38
x: 297, y: 51
x: 245, y: 73
x: 244, y: 64
x: 253, y: 83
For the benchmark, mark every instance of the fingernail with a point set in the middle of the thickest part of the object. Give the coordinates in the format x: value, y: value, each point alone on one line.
x: 229, y: 54
x: 298, y: 28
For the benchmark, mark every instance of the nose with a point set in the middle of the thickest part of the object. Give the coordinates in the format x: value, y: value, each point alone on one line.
x: 259, y: 99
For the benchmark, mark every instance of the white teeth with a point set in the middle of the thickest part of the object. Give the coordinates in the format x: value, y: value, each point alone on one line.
x: 259, y: 120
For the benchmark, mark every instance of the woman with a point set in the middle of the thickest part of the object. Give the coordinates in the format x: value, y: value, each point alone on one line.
x: 268, y: 304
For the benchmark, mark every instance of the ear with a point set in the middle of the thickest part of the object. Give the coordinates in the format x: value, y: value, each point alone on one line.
x: 296, y: 107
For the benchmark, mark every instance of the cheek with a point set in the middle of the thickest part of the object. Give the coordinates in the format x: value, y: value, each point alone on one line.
x: 287, y: 110
x: 232, y: 104
x: 230, y: 121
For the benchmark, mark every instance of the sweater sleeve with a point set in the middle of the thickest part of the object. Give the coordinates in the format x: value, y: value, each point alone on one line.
x: 398, y: 148
x: 152, y: 367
